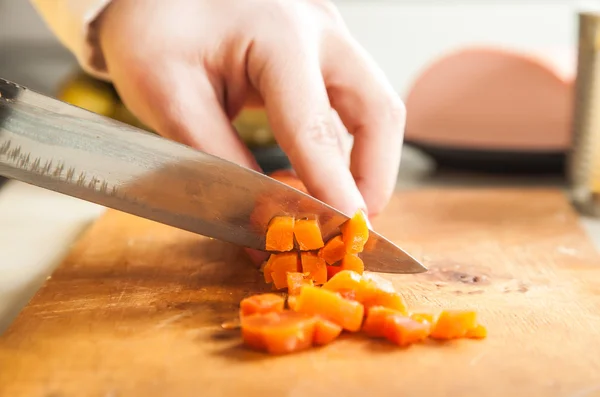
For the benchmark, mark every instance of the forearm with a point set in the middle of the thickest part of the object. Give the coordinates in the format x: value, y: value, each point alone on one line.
x: 72, y: 23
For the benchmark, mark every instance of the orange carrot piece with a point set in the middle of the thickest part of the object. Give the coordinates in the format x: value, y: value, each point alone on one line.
x: 331, y: 306
x: 308, y: 234
x: 292, y: 302
x: 454, y: 324
x: 326, y: 332
x: 333, y: 251
x: 295, y: 282
x: 368, y: 290
x: 423, y: 317
x: 355, y: 233
x: 280, y: 234
x: 288, y: 177
x: 279, y: 265
x: 279, y: 333
x: 382, y: 322
x: 261, y: 303
x: 267, y: 271
x: 479, y: 332
x: 332, y: 271
x: 315, y: 267
x: 343, y: 280
x: 354, y: 263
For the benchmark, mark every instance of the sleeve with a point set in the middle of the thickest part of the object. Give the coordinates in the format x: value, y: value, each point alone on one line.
x: 72, y: 21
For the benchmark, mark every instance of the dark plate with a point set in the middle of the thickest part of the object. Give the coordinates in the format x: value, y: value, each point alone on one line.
x: 495, y: 161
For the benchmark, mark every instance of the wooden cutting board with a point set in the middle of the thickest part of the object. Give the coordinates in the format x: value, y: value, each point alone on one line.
x: 136, y: 309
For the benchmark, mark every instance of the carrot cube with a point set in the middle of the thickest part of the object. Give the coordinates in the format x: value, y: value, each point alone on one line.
x: 331, y: 306
x: 278, y: 267
x: 382, y: 322
x: 354, y: 263
x: 332, y: 271
x: 423, y: 317
x: 454, y: 324
x: 279, y: 333
x: 315, y: 266
x: 308, y: 234
x: 479, y: 332
x: 261, y: 303
x: 280, y: 234
x: 333, y: 251
x: 326, y: 332
x: 355, y: 233
x: 295, y: 282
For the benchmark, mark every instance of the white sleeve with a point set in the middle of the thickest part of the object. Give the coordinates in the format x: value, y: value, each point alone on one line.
x: 72, y: 22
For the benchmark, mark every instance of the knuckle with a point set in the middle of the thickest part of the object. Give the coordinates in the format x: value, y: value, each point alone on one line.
x: 320, y: 131
x: 393, y: 112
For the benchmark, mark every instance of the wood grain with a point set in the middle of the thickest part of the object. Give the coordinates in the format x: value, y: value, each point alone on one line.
x: 136, y: 308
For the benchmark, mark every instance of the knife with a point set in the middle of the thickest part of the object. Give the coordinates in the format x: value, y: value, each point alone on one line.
x: 57, y: 146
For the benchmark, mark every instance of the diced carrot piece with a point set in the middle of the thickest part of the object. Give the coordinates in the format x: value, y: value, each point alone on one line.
x: 308, y: 234
x: 280, y: 234
x: 382, y: 322
x: 326, y: 332
x: 279, y: 333
x: 332, y: 271
x: 279, y: 265
x: 423, y: 317
x: 266, y: 268
x: 355, y: 233
x: 343, y: 280
x: 261, y: 303
x: 292, y: 302
x: 368, y: 291
x: 392, y: 300
x: 333, y: 251
x: 295, y: 282
x: 332, y: 306
x: 348, y: 294
x: 315, y: 266
x: 378, y: 282
x: 479, y: 332
x: 288, y: 177
x: 354, y: 263
x: 454, y: 324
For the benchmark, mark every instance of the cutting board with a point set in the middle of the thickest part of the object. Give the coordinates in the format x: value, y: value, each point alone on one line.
x: 136, y: 310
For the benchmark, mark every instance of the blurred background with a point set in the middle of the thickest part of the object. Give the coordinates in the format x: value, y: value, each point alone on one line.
x: 529, y: 42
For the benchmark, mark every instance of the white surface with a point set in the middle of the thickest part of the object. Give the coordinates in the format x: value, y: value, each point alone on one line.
x: 37, y: 230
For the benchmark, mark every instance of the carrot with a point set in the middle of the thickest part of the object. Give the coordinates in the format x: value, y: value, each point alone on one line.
x: 308, y: 234
x: 333, y: 251
x: 423, y: 317
x: 354, y: 263
x: 315, y: 267
x: 289, y: 178
x: 331, y: 306
x: 261, y: 303
x: 332, y: 271
x: 343, y: 280
x: 355, y: 233
x: 368, y: 291
x: 382, y: 322
x: 295, y: 282
x: 479, y: 332
x: 326, y: 332
x: 278, y: 266
x: 454, y: 324
x: 279, y: 333
x: 280, y: 234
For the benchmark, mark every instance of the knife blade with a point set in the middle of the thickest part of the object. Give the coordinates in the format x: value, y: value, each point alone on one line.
x: 57, y: 146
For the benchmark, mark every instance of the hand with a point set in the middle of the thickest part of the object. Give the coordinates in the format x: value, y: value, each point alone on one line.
x: 187, y: 67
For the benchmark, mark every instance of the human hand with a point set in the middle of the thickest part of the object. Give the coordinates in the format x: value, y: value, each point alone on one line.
x: 187, y: 67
